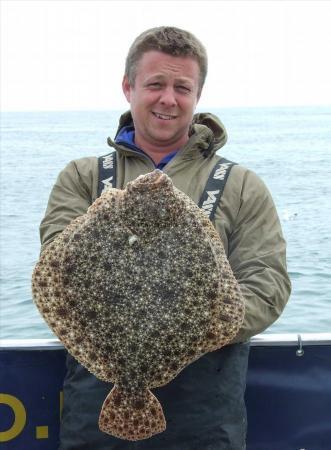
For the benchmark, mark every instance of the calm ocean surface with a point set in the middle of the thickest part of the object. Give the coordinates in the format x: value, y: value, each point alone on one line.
x: 290, y: 148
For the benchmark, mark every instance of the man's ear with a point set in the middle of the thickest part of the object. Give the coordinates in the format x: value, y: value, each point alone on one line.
x: 126, y: 88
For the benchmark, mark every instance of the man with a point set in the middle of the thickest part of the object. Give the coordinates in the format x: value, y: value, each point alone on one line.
x: 204, y: 406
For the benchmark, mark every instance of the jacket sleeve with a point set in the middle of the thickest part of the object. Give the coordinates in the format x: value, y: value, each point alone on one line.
x: 70, y: 197
x: 257, y: 254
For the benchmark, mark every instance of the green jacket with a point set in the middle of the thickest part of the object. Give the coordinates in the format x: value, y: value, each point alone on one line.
x: 246, y: 218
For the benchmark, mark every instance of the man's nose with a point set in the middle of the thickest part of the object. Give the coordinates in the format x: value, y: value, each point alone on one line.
x: 168, y: 96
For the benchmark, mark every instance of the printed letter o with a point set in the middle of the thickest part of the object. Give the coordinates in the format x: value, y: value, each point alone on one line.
x: 20, y: 417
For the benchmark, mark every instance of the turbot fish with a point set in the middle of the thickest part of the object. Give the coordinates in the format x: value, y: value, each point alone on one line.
x: 136, y: 289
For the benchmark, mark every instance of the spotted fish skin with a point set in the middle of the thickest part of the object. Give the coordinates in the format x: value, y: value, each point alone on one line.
x: 136, y: 289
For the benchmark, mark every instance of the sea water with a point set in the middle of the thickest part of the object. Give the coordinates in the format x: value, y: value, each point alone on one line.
x: 289, y: 148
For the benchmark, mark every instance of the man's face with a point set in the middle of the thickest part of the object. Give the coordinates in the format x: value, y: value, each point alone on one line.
x: 163, y: 100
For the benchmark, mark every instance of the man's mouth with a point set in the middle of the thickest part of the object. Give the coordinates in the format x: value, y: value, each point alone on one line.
x: 164, y: 116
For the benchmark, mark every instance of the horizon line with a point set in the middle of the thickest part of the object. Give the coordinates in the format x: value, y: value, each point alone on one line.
x: 198, y: 109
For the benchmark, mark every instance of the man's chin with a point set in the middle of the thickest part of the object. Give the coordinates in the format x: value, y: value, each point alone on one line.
x: 166, y: 141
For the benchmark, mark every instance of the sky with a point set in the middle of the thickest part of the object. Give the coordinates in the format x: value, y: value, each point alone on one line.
x: 69, y: 54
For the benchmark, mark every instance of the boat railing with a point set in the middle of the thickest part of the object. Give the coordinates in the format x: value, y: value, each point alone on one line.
x: 265, y: 339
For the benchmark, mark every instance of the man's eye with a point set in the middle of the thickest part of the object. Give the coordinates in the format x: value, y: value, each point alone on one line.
x: 183, y: 88
x: 154, y: 85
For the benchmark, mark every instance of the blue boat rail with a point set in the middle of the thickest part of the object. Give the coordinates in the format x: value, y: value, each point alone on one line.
x: 288, y: 393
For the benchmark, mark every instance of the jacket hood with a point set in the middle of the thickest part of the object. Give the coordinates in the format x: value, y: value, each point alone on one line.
x: 207, y: 133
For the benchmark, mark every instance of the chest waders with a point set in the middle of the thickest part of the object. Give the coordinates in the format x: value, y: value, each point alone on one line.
x: 210, y: 197
x: 204, y: 405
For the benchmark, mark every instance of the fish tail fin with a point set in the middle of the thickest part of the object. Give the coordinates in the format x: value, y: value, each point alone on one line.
x: 131, y: 417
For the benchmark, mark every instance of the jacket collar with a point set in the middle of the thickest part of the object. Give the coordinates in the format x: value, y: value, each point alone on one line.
x: 207, y: 134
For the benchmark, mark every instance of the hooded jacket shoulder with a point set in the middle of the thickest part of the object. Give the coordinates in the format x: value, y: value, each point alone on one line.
x: 73, y: 192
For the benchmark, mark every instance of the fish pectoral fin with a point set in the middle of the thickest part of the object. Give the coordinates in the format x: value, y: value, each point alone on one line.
x: 131, y: 417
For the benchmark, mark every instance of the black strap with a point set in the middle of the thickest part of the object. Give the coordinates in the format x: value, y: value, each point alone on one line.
x: 107, y: 172
x: 211, y: 195
x: 214, y: 188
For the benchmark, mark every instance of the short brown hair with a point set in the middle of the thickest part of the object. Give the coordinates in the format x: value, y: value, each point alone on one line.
x: 170, y: 40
